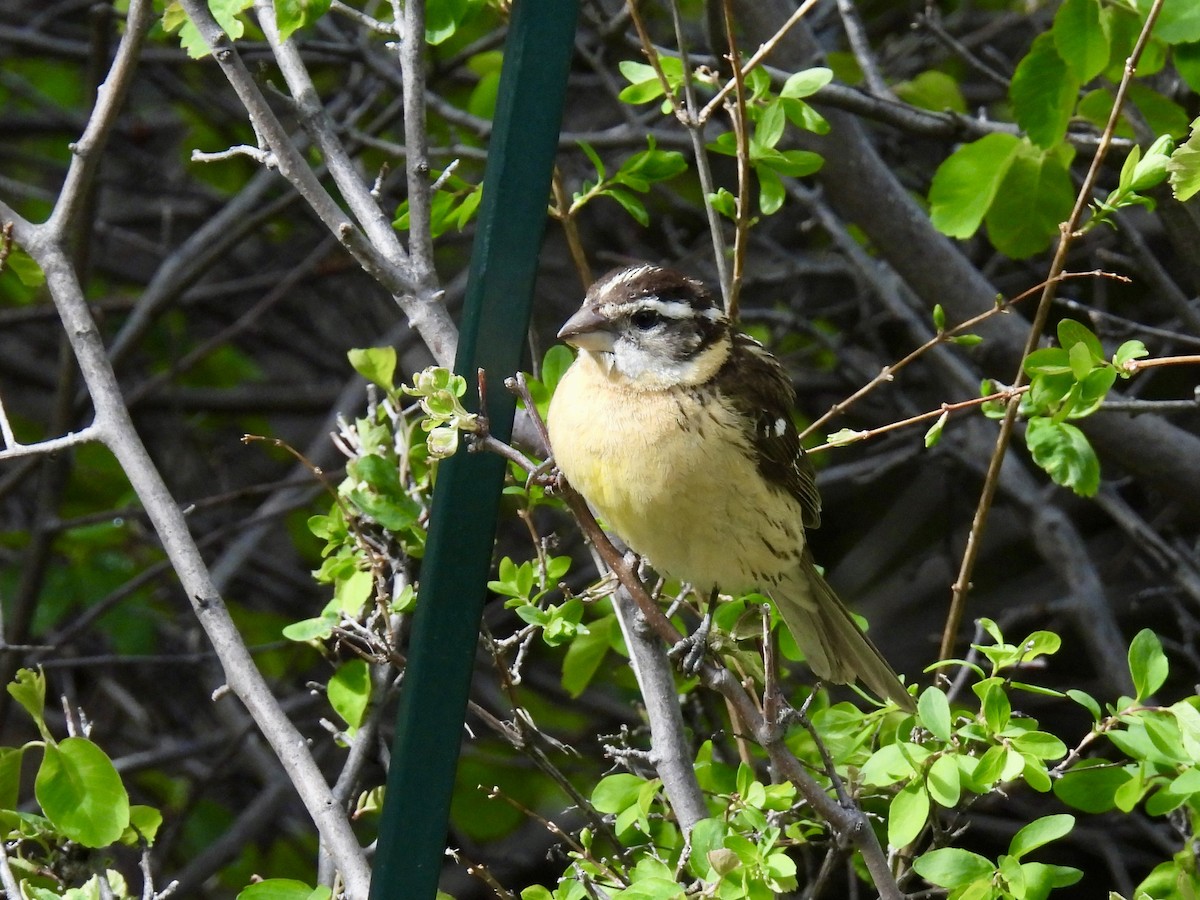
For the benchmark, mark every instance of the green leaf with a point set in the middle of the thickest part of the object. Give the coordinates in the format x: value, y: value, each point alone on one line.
x: 966, y: 183
x: 1035, y: 774
x: 80, y: 791
x: 1043, y: 93
x: 793, y: 163
x: 944, y: 781
x: 1175, y: 879
x: 10, y: 776
x: 376, y: 364
x: 1184, y: 165
x: 1040, y: 879
x: 224, y: 11
x: 769, y: 128
x: 554, y: 365
x: 1162, y: 114
x: 1071, y: 332
x: 1092, y: 390
x: 614, y: 793
x: 1080, y: 39
x: 29, y: 689
x: 724, y: 203
x: 1147, y: 663
x: 144, y: 822
x: 951, y: 867
x: 352, y: 592
x: 585, y: 653
x: 994, y: 703
x: 907, y: 815
x: 989, y: 770
x: 394, y: 512
x: 281, y: 889
x: 349, y: 691
x: 1035, y: 196
x: 707, y: 835
x: 1040, y: 745
x: 647, y: 165
x: 932, y: 90
x: 317, y: 629
x: 630, y: 203
x: 444, y: 17
x: 291, y: 15
x: 804, y: 116
x: 771, y: 192
x: 644, y: 83
x: 1081, y: 361
x: 25, y: 267
x: 1087, y: 701
x: 1127, y: 352
x: 1187, y: 63
x: 1040, y: 643
x: 1040, y: 832
x: 1178, y: 22
x: 1064, y: 453
x: 1048, y: 361
x: 1130, y: 793
x: 933, y: 709
x: 893, y: 762
x: 1091, y: 785
x: 806, y: 83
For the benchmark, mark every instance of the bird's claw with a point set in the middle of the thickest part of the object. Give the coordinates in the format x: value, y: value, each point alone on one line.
x: 690, y: 650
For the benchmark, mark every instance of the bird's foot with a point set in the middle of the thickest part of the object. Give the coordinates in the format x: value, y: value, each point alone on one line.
x: 690, y: 650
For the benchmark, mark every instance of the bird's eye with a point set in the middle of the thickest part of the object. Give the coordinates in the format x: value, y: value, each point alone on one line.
x: 645, y: 319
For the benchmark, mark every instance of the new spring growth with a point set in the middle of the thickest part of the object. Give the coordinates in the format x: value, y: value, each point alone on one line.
x: 439, y: 391
x: 1138, y: 174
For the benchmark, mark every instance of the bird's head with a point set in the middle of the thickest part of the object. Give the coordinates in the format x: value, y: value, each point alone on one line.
x: 651, y: 328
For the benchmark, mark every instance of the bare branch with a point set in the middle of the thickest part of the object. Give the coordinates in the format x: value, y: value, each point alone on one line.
x: 110, y: 97
x: 424, y: 312
x: 416, y: 139
x: 671, y: 753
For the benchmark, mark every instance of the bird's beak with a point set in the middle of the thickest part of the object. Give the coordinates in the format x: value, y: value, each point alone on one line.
x: 588, y: 330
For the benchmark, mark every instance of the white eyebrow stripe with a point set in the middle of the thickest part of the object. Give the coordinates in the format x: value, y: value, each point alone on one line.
x: 670, y: 309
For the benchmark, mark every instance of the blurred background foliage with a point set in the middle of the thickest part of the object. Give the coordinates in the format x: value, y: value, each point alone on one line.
x: 229, y: 310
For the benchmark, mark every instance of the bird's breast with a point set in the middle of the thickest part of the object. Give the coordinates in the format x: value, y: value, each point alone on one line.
x: 671, y: 472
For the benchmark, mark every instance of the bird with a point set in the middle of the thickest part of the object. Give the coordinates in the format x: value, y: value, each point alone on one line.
x: 676, y: 428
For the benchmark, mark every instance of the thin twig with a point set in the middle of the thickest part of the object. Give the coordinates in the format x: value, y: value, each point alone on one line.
x: 962, y: 583
x: 754, y: 61
x: 888, y: 373
x: 1003, y: 396
x: 562, y: 211
x: 695, y: 129
x: 1136, y: 365
x: 856, y: 34
x: 110, y: 96
x: 13, y: 448
x: 737, y: 115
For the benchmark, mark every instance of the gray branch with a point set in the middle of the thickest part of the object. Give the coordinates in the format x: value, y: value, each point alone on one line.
x: 670, y: 750
x: 427, y: 316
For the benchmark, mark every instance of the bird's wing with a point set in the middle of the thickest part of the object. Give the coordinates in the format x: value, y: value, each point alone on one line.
x: 757, y: 386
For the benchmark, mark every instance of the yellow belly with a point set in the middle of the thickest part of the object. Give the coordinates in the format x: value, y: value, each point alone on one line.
x: 674, y: 478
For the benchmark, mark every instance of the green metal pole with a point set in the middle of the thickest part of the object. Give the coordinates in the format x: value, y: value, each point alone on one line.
x: 512, y: 219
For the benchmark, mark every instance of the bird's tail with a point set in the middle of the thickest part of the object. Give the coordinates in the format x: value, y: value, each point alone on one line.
x: 836, y: 648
